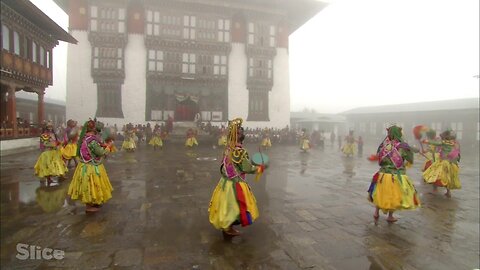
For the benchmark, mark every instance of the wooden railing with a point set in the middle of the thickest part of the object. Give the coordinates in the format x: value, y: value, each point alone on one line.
x: 8, y: 133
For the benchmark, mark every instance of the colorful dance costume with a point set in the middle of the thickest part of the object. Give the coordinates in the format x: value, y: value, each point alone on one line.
x: 233, y: 202
x: 444, y: 170
x: 90, y: 182
x: 129, y: 141
x: 349, y: 148
x: 304, y: 141
x: 431, y: 155
x: 391, y: 189
x: 266, y: 142
x: 191, y: 140
x: 70, y: 139
x: 156, y: 140
x: 49, y: 163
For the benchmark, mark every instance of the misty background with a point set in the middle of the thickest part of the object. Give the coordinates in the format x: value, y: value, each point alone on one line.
x: 358, y: 53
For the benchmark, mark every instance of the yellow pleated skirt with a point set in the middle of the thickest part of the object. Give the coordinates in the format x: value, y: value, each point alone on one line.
x: 443, y: 173
x: 69, y: 151
x: 224, y: 208
x: 391, y: 193
x: 349, y: 149
x: 90, y: 184
x: 190, y: 142
x: 305, y: 145
x: 267, y: 142
x: 129, y: 144
x: 156, y: 141
x: 50, y: 163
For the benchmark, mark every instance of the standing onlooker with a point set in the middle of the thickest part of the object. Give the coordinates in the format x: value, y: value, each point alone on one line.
x: 360, y: 146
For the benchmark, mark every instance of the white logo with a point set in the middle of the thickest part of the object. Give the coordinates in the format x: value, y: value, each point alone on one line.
x: 32, y: 252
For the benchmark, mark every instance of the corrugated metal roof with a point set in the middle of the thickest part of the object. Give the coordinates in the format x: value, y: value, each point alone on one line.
x: 316, y: 117
x: 34, y: 97
x: 442, y: 105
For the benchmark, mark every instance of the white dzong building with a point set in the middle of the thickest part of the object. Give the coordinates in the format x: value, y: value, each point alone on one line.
x: 140, y: 61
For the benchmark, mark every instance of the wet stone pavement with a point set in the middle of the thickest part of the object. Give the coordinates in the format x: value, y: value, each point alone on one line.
x: 314, y: 214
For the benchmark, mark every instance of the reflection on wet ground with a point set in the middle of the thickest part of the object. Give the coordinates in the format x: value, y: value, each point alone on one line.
x: 314, y: 214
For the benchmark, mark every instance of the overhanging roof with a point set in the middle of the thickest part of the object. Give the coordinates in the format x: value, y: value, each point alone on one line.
x: 40, y: 19
x: 442, y: 105
x: 298, y: 11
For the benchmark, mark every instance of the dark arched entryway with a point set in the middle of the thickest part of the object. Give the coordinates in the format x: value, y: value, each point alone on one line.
x: 186, y: 110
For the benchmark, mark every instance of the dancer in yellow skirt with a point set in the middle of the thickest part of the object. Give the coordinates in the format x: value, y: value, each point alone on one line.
x: 90, y: 182
x: 266, y: 142
x: 444, y: 170
x: 304, y: 141
x: 70, y: 139
x: 233, y: 202
x: 191, y: 138
x: 156, y: 140
x: 349, y: 148
x: 391, y: 189
x: 49, y: 164
x: 129, y: 141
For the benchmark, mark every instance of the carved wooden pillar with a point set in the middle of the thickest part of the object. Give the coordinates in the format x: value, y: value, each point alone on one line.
x: 41, y: 108
x: 12, y: 110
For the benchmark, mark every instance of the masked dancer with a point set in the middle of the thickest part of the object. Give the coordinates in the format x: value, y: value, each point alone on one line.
x: 90, y: 183
x: 233, y: 202
x: 70, y: 139
x: 50, y: 163
x: 444, y: 170
x: 391, y: 189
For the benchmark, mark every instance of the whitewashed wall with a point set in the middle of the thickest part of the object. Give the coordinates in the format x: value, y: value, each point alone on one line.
x: 237, y: 83
x: 135, y: 86
x: 81, y: 99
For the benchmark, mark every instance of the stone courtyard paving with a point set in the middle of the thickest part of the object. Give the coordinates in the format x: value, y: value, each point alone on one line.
x: 314, y: 214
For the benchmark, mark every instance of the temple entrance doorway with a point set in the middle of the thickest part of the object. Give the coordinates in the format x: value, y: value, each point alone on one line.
x: 186, y: 109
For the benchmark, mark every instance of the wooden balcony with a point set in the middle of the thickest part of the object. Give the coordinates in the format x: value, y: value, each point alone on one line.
x: 25, y: 71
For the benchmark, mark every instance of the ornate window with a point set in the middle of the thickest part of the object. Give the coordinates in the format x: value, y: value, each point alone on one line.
x: 107, y: 19
x: 155, y: 60
x: 258, y: 105
x: 109, y: 100
x: 272, y: 36
x: 220, y: 65
x: 42, y: 56
x: 5, y: 38
x: 206, y: 29
x: 205, y: 64
x: 107, y: 58
x: 223, y: 30
x: 260, y: 68
x: 188, y: 63
x: 168, y: 25
x: 48, y: 59
x: 189, y: 24
x: 34, y: 52
x: 16, y: 43
x: 261, y: 34
x: 172, y: 62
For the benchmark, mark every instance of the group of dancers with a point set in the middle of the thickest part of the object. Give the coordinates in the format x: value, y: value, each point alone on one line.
x: 391, y: 189
x: 88, y: 149
x: 233, y: 202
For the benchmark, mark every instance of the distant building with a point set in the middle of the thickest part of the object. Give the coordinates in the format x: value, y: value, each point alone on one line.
x: 461, y: 115
x: 28, y: 37
x: 145, y: 60
x: 318, y: 121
